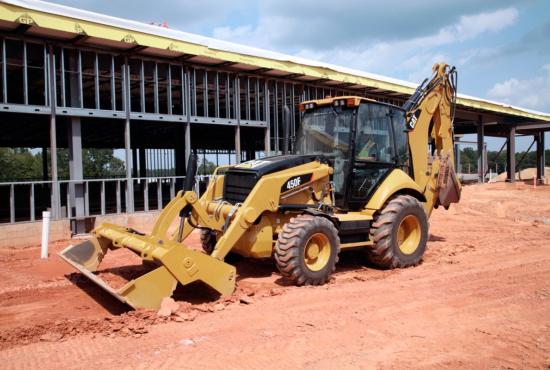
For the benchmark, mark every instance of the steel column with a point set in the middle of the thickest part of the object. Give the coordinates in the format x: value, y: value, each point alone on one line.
x: 118, y: 202
x: 276, y: 115
x: 238, y: 127
x: 31, y: 202
x: 80, y: 91
x: 4, y: 73
x: 480, y: 151
x: 96, y: 82
x: 127, y: 141
x: 62, y: 71
x: 238, y: 154
x: 76, y: 189
x: 113, y: 84
x: 156, y: 88
x: 457, y: 158
x: 247, y: 97
x: 511, y: 156
x: 55, y: 206
x: 217, y: 101
x: 187, y: 133
x: 540, y: 156
x: 267, y: 138
x: 141, y: 85
x: 12, y: 203
x: 205, y: 94
x: 169, y: 89
x: 25, y: 75
x: 227, y: 96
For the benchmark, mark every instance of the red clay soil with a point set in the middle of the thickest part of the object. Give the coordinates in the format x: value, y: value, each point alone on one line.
x: 480, y: 299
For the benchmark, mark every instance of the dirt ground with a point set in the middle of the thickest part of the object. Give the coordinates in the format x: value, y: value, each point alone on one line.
x: 480, y: 299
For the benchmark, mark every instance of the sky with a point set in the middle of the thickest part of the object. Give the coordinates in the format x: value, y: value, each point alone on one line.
x: 501, y: 48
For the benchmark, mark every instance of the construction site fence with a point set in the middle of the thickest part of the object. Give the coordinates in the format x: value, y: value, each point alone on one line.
x: 24, y: 201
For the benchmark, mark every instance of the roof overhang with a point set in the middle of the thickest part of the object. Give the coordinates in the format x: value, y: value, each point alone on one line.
x: 46, y: 20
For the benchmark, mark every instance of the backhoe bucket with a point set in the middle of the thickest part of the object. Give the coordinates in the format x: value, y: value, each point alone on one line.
x: 176, y: 262
x: 448, y: 184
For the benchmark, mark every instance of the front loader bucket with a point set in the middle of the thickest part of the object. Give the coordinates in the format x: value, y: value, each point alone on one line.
x: 176, y: 264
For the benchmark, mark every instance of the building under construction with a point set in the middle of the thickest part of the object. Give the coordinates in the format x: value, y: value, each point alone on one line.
x: 71, y: 79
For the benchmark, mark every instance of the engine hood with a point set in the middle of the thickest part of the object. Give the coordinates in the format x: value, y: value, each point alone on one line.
x: 265, y: 166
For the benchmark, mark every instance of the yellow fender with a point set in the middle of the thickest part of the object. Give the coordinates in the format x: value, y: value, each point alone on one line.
x: 397, y: 181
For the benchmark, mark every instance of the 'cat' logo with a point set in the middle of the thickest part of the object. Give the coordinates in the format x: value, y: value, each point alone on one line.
x: 413, y: 118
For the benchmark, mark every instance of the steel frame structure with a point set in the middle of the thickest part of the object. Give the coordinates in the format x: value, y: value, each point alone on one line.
x: 64, y: 79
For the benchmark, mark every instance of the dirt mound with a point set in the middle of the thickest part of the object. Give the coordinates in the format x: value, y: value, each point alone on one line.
x: 523, y: 175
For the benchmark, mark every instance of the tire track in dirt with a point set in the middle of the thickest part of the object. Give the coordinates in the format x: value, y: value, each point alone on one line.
x: 313, y: 302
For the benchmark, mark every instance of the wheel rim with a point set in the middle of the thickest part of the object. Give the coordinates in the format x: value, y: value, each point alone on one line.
x: 317, y: 252
x: 408, y: 234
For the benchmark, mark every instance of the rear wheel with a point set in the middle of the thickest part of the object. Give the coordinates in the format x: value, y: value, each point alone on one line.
x: 400, y: 233
x: 307, y: 250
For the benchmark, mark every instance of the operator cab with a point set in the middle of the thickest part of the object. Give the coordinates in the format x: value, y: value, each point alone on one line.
x: 363, y: 139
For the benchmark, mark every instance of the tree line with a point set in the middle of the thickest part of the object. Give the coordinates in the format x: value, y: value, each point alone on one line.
x: 468, y: 160
x: 24, y: 164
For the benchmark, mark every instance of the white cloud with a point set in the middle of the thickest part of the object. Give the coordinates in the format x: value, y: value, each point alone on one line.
x: 473, y: 25
x: 531, y: 93
x: 411, y: 58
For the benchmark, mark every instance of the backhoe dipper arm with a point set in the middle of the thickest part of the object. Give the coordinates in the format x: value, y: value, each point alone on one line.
x: 430, y: 114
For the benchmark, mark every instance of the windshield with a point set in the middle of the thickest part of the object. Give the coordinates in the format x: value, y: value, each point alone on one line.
x: 325, y: 130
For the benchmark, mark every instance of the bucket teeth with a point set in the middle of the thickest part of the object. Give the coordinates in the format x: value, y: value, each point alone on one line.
x: 176, y: 264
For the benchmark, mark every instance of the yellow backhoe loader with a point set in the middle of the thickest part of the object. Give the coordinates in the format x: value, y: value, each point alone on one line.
x: 362, y: 174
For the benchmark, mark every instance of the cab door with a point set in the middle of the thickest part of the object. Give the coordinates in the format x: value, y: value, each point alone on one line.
x: 374, y: 152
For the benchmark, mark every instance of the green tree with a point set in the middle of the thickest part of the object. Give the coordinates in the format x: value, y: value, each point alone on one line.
x: 18, y: 164
x: 21, y: 164
x: 468, y: 160
x: 205, y: 167
x: 101, y: 163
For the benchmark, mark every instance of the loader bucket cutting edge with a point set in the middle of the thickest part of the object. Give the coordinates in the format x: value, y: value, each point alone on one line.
x: 176, y: 263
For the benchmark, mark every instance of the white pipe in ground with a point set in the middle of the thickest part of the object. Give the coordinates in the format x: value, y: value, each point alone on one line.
x: 45, y: 234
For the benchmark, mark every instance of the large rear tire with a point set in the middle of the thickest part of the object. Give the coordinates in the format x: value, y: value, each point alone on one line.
x: 306, y: 251
x: 400, y: 233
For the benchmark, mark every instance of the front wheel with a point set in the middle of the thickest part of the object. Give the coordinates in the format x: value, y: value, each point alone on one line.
x: 307, y: 250
x: 400, y: 233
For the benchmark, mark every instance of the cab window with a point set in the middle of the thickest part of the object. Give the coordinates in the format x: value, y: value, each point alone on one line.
x: 401, y: 138
x: 373, y: 135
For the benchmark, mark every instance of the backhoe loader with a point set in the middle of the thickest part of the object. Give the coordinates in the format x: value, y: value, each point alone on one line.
x: 361, y: 174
